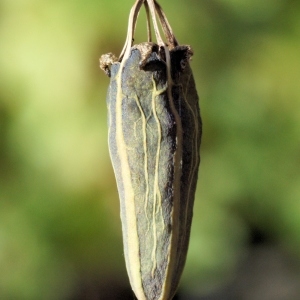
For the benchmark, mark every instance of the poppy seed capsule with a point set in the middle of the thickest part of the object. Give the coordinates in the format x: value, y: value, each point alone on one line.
x: 154, y: 139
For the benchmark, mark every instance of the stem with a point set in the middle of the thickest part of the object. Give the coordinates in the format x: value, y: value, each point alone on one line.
x: 156, y: 29
x: 166, y: 25
x: 134, y: 12
x: 148, y: 22
x: 152, y: 8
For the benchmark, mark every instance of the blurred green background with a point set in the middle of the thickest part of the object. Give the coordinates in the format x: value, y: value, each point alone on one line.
x: 60, y: 232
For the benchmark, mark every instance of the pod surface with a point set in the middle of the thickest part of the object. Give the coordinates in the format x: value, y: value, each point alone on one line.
x: 154, y: 139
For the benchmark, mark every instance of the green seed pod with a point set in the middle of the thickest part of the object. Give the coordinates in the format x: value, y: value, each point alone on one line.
x: 154, y: 140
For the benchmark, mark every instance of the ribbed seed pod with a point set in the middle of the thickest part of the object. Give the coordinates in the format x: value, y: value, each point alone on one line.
x: 154, y: 139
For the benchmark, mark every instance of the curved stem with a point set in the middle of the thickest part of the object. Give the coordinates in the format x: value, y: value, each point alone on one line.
x: 166, y: 25
x: 152, y: 8
x: 156, y: 29
x: 148, y: 22
x: 134, y: 12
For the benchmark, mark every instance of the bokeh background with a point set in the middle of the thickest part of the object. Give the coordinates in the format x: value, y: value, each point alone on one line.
x: 60, y: 231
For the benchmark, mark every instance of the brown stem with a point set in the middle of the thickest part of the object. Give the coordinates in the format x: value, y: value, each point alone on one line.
x: 134, y: 12
x: 148, y: 22
x: 152, y: 8
x: 153, y: 16
x: 166, y: 25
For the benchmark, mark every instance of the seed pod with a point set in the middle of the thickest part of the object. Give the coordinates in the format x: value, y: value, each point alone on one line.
x: 154, y: 139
